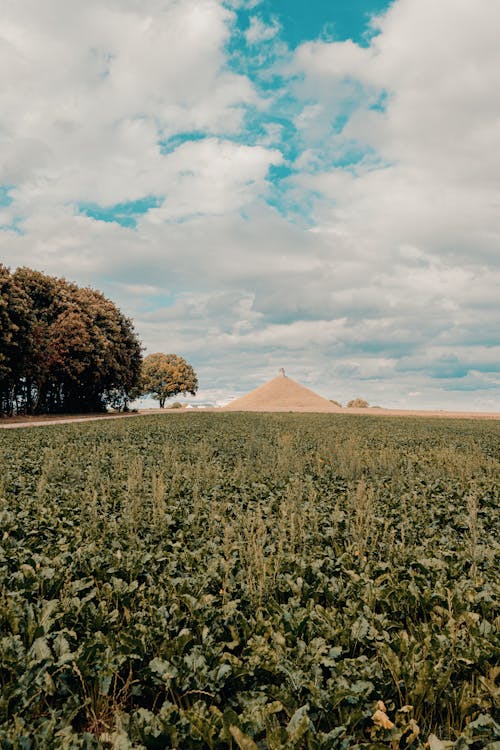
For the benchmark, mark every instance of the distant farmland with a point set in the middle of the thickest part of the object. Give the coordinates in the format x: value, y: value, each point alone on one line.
x: 250, y: 581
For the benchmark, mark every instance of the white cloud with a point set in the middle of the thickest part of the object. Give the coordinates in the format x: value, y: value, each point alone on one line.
x: 244, y: 4
x: 335, y: 60
x: 210, y: 177
x: 93, y: 88
x: 424, y: 222
x: 438, y: 66
x: 259, y: 31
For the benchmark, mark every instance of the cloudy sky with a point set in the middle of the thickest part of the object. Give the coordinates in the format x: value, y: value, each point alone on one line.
x: 267, y: 183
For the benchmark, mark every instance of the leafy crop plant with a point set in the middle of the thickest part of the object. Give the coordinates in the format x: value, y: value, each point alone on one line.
x: 250, y: 581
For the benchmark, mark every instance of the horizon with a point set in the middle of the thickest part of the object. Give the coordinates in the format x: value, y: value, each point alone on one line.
x: 259, y: 186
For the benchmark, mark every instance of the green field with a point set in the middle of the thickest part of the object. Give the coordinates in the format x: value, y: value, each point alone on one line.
x: 250, y: 581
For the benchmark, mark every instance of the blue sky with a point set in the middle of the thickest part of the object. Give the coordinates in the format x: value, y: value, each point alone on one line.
x: 328, y: 19
x: 265, y: 184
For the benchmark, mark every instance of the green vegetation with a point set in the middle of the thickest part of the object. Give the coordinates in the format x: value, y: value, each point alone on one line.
x: 250, y: 581
x: 62, y: 348
x: 358, y: 403
x: 167, y: 375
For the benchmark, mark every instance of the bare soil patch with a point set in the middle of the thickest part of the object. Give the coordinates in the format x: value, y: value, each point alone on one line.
x: 42, y: 420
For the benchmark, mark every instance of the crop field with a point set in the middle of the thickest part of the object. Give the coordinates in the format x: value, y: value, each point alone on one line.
x: 250, y: 582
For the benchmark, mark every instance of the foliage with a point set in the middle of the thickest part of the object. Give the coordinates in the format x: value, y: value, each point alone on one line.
x: 62, y: 348
x: 250, y: 581
x: 358, y: 403
x: 166, y: 375
x: 14, y: 324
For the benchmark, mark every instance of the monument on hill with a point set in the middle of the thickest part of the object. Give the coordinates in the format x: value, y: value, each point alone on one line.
x: 282, y: 393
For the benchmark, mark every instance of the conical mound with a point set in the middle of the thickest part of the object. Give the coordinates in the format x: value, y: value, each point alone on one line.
x: 282, y: 394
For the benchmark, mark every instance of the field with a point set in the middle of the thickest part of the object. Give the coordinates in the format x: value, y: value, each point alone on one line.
x: 250, y: 581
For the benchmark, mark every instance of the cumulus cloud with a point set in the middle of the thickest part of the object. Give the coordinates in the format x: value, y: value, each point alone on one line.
x: 93, y: 88
x: 210, y: 177
x: 410, y: 179
x: 437, y: 124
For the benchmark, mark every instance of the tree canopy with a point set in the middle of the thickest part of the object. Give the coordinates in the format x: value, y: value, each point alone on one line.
x: 358, y: 403
x: 166, y: 375
x: 62, y: 348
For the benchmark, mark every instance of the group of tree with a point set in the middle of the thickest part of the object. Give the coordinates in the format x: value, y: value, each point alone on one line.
x: 62, y: 348
x: 66, y: 349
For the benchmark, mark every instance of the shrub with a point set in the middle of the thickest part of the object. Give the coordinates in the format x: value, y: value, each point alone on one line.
x: 358, y: 403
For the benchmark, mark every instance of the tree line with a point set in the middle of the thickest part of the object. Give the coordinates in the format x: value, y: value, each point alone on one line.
x: 67, y: 349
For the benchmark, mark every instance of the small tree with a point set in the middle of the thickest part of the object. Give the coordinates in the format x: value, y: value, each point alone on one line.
x: 358, y: 403
x: 166, y: 375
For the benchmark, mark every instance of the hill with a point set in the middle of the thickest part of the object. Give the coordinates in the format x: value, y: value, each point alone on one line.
x: 282, y: 394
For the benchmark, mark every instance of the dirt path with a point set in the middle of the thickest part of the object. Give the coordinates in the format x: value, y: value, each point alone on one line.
x: 10, y: 424
x: 374, y: 411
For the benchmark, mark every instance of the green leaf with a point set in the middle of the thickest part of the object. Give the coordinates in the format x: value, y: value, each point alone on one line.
x: 299, y: 724
x: 164, y: 669
x: 243, y: 741
x: 41, y: 649
x: 437, y: 744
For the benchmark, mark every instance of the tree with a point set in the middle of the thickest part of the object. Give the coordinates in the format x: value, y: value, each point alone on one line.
x: 166, y: 375
x: 63, y: 348
x: 14, y: 333
x: 115, y: 374
x: 56, y: 329
x: 358, y: 403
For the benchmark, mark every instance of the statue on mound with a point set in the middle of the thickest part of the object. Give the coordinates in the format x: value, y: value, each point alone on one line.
x: 282, y: 372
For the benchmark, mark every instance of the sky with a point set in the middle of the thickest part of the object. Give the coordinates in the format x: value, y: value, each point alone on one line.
x: 266, y: 184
